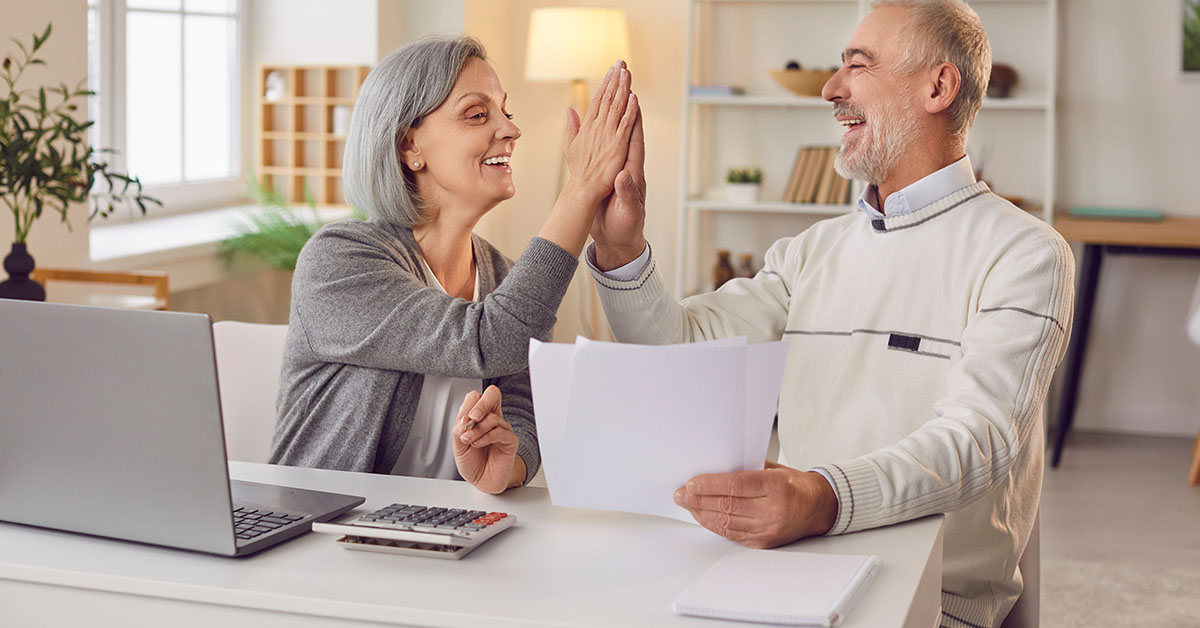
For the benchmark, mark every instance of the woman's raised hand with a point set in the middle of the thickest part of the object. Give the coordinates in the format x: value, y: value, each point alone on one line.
x: 597, y: 145
x: 485, y: 446
x: 596, y: 150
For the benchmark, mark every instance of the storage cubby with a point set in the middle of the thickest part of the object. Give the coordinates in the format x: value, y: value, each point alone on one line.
x: 298, y: 146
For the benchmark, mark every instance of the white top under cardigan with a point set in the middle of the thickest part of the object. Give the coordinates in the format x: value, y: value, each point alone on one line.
x: 921, y: 350
x: 429, y: 450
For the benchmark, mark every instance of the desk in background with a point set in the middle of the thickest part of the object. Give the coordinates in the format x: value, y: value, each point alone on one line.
x: 557, y: 566
x: 1171, y: 237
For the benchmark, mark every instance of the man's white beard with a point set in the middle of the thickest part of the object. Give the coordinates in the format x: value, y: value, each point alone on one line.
x: 891, y: 130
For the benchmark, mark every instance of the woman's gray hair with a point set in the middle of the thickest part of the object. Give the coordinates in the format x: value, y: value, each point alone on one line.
x: 948, y: 31
x: 400, y: 91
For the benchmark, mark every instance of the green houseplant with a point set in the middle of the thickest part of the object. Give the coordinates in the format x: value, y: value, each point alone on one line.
x: 46, y: 162
x: 742, y: 185
x: 1191, y: 36
x: 273, y: 233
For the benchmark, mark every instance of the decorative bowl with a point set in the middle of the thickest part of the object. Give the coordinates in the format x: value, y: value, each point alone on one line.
x: 802, y: 82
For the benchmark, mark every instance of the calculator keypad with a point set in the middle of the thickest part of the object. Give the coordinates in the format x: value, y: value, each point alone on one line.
x: 432, y: 519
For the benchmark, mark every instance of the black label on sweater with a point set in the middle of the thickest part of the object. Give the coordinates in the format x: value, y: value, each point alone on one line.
x: 908, y: 343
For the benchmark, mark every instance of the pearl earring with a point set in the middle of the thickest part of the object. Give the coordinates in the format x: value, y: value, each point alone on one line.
x: 416, y: 164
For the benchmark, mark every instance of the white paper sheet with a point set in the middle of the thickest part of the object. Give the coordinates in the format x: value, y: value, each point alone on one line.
x: 621, y: 427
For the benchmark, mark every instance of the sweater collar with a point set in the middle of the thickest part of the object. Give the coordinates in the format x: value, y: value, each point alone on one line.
x: 485, y: 272
x: 922, y: 192
x: 930, y: 211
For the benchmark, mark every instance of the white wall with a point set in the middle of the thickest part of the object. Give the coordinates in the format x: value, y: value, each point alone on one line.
x: 1129, y: 136
x: 50, y: 242
x: 312, y: 32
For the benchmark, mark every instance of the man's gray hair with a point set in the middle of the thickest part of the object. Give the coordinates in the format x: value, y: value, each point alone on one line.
x: 400, y: 91
x: 948, y: 31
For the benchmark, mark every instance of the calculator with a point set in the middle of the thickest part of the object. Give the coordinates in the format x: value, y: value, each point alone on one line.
x: 431, y: 531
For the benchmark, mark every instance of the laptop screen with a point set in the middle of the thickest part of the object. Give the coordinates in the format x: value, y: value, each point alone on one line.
x: 111, y: 425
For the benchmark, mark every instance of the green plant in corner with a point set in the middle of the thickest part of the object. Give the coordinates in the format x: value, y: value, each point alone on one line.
x: 1191, y: 35
x: 273, y: 233
x: 743, y: 175
x: 45, y: 159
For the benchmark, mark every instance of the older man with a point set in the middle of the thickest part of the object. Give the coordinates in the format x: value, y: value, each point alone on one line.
x: 923, y: 329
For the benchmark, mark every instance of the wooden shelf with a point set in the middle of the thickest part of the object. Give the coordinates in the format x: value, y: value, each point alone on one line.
x: 297, y: 145
x: 734, y: 42
x: 315, y: 137
x: 756, y: 100
x: 761, y: 100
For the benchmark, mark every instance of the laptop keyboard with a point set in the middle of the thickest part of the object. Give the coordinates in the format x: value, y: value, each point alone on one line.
x: 249, y: 523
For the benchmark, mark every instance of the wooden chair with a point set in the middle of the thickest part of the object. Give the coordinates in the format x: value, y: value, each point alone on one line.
x: 159, y: 300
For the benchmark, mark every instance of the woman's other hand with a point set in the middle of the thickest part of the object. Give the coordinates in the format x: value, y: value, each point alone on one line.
x: 597, y: 145
x: 485, y: 446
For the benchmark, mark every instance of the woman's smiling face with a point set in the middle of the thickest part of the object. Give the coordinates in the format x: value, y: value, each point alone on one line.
x: 462, y: 148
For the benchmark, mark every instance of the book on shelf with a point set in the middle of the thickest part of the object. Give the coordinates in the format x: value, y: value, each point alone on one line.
x: 717, y: 90
x: 793, y: 184
x: 828, y: 174
x: 814, y: 178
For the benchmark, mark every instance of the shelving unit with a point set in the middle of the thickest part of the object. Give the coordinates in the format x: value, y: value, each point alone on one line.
x: 735, y: 42
x: 298, y: 145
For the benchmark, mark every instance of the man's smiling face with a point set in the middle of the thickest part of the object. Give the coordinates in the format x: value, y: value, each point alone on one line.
x: 872, y: 100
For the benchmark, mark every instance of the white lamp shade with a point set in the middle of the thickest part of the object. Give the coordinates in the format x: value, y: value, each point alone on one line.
x: 567, y: 44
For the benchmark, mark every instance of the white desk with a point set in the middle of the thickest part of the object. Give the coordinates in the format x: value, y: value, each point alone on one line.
x: 556, y: 567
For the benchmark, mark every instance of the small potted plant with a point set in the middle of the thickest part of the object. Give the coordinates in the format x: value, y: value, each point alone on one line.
x: 743, y: 184
x: 46, y: 162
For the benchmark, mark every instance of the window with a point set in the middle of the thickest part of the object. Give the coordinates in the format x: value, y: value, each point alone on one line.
x: 167, y: 75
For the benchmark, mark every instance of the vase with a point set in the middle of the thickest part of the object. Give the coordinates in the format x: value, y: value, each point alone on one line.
x: 742, y: 193
x: 19, y: 264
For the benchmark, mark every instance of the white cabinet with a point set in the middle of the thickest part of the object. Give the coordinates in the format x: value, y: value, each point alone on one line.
x: 736, y: 42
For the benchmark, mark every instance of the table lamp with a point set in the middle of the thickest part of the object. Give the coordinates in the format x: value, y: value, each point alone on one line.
x: 575, y: 44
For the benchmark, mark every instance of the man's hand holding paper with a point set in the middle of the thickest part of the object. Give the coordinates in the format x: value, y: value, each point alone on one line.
x: 761, y: 509
x: 673, y: 412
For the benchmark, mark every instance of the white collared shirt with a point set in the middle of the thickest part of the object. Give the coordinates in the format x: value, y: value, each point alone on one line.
x: 923, y: 192
x: 429, y: 450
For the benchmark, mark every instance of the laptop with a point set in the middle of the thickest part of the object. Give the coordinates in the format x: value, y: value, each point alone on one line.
x: 110, y: 425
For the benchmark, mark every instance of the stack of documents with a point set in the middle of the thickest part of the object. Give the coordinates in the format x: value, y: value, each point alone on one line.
x: 621, y: 427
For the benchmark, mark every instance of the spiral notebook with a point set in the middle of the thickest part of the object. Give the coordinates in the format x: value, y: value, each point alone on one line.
x: 780, y: 587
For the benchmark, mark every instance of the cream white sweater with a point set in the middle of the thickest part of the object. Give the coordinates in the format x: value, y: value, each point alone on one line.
x: 922, y: 348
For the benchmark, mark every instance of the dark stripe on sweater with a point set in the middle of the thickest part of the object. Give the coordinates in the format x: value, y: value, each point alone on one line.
x: 603, y: 281
x: 881, y: 227
x: 1025, y: 311
x: 850, y: 517
x: 802, y: 332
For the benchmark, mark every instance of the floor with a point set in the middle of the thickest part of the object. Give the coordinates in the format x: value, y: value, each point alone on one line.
x: 1122, y: 498
x: 1121, y: 534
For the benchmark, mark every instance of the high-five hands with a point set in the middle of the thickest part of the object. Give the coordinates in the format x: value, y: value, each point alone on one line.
x: 485, y: 446
x: 761, y: 509
x: 618, y: 226
x: 595, y: 150
x: 597, y: 145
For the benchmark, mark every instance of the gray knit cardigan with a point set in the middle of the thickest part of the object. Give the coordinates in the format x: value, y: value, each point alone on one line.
x: 365, y: 327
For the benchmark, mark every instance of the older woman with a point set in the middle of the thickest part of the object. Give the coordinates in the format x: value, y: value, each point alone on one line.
x: 408, y: 341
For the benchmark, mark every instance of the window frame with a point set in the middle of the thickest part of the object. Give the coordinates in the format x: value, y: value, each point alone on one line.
x: 111, y: 124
